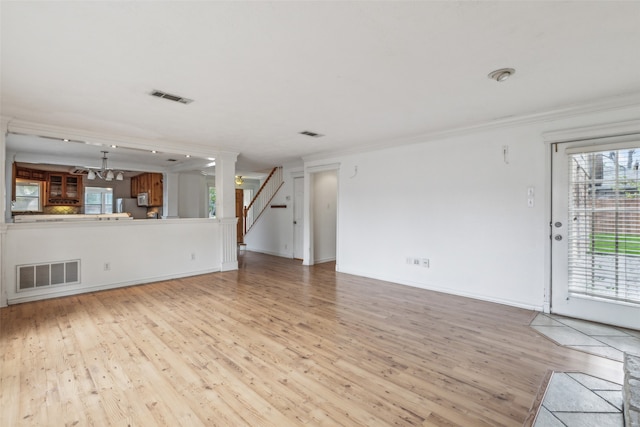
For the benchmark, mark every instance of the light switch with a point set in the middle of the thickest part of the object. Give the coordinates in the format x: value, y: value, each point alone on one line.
x: 530, y: 192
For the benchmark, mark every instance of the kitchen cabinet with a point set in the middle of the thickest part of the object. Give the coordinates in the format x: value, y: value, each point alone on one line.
x: 32, y: 174
x: 150, y: 183
x: 64, y: 190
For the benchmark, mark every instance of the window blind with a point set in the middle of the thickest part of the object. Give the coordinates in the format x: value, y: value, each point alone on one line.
x: 604, y: 224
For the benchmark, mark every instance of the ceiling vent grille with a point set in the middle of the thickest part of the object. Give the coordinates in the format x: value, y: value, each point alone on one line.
x: 170, y: 97
x: 311, y: 134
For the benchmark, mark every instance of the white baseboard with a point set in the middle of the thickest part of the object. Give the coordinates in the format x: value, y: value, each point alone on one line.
x: 449, y: 291
x: 17, y: 299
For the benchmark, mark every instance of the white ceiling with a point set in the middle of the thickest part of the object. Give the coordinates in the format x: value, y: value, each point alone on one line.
x: 361, y: 73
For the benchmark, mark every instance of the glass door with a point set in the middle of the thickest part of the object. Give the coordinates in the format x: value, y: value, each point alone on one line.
x: 596, y: 232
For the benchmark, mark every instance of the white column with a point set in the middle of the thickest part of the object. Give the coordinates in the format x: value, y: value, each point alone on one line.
x: 226, y: 209
x: 226, y: 185
x: 170, y: 195
x: 3, y: 206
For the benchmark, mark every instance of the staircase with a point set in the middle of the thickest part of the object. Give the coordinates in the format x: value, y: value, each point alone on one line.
x: 262, y: 198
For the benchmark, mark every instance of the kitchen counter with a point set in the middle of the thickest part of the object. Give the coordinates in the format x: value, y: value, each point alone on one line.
x: 71, y: 217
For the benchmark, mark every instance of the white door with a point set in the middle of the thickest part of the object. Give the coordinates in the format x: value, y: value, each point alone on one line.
x: 595, y: 231
x: 298, y: 224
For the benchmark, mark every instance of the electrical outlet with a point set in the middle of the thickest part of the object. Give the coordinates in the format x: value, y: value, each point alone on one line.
x: 425, y: 262
x: 107, y: 266
x: 416, y: 261
x: 409, y: 260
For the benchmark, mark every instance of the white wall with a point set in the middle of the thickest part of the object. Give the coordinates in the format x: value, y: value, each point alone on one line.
x: 192, y: 196
x: 452, y: 200
x: 456, y: 203
x: 324, y: 201
x: 137, y: 252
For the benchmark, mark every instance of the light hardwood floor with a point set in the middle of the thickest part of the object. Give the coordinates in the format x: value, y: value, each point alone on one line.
x: 275, y: 344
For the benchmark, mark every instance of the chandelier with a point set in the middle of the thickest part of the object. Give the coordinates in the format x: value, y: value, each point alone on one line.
x: 104, y: 173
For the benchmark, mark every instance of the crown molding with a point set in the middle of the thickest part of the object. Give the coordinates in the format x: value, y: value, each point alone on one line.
x: 565, y: 112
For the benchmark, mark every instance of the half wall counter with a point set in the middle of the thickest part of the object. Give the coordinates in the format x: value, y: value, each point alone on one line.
x: 52, y: 258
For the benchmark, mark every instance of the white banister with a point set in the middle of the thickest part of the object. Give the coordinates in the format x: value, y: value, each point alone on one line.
x: 263, y: 198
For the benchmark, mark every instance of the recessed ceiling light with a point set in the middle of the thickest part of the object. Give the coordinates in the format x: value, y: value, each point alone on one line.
x: 502, y: 74
x: 187, y: 156
x: 65, y: 140
x: 114, y: 146
x: 154, y: 151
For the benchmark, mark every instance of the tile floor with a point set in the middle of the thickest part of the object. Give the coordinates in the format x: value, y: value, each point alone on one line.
x: 575, y: 399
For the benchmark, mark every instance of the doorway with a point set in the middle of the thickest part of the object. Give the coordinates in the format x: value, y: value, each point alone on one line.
x: 240, y: 215
x: 595, y: 231
x: 324, y: 215
x: 298, y: 217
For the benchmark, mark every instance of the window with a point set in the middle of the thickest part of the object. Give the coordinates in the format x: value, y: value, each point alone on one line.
x: 98, y: 200
x: 604, y: 231
x: 212, y: 202
x: 28, y: 196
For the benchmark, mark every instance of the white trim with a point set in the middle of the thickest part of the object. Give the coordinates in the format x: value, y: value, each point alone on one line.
x: 307, y: 235
x: 51, y: 131
x: 445, y: 290
x: 602, y: 144
x: 566, y: 112
x: 323, y: 260
x: 95, y: 288
x: 591, y: 132
x: 273, y: 253
x: 322, y: 168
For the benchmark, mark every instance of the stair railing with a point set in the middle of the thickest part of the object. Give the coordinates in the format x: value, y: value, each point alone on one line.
x: 262, y: 198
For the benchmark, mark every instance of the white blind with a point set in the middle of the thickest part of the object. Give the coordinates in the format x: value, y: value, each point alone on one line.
x: 604, y: 224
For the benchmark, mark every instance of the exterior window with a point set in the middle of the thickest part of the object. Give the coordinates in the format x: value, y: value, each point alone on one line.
x: 212, y: 202
x: 98, y: 200
x: 28, y: 196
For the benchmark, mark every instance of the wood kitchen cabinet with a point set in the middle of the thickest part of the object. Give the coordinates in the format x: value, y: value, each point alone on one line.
x: 64, y: 190
x: 150, y: 183
x: 32, y: 174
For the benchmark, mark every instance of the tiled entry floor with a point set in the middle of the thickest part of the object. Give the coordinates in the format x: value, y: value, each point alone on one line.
x: 575, y: 399
x: 595, y: 338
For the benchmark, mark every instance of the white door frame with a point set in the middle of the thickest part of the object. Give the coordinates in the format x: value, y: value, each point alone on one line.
x: 585, y: 136
x: 308, y: 258
x: 298, y: 244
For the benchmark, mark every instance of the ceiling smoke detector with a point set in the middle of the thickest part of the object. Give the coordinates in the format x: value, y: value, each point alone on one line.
x: 170, y: 97
x: 502, y: 74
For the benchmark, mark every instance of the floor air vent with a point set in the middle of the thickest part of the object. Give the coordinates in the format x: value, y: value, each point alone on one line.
x: 37, y: 276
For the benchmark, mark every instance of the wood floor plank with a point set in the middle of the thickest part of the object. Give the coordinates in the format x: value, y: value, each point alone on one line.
x: 275, y: 344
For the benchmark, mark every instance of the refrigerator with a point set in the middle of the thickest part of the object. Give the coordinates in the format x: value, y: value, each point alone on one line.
x: 130, y: 205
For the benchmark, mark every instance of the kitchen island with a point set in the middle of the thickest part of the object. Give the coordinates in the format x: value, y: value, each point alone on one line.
x: 46, y: 259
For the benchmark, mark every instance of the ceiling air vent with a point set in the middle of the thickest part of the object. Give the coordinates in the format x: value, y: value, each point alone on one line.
x: 311, y: 134
x: 176, y: 98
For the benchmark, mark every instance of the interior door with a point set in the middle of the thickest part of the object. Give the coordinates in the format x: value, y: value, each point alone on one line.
x: 595, y: 231
x: 239, y: 214
x: 298, y: 209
